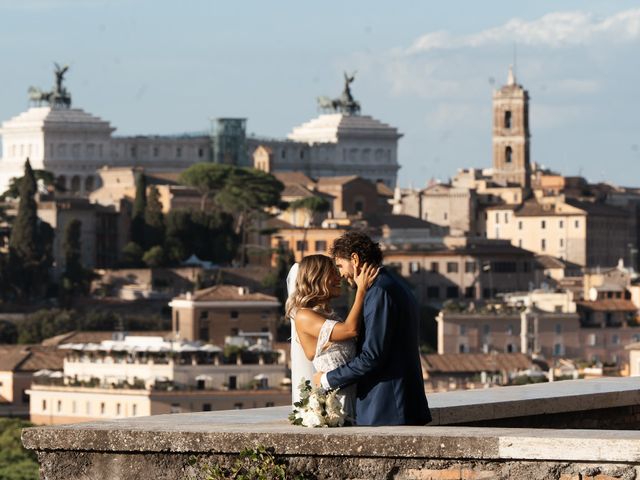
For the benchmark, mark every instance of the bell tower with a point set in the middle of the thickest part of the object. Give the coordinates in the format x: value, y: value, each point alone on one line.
x: 511, y: 163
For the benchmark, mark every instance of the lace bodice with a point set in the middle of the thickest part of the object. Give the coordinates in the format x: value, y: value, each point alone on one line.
x: 331, y: 355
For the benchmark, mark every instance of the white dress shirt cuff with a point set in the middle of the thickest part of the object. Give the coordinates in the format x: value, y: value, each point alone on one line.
x: 324, y: 382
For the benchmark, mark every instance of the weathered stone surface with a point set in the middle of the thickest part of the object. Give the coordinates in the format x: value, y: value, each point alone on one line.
x: 160, y: 447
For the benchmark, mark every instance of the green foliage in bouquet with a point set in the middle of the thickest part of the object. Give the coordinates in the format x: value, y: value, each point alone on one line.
x: 305, y: 391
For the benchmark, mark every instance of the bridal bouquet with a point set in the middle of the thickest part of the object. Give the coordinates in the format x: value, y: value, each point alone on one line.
x: 317, y: 408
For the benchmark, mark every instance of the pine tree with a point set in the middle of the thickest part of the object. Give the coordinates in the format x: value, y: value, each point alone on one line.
x: 139, y: 206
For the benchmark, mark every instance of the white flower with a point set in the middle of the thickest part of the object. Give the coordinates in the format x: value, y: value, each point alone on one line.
x: 312, y: 419
x: 314, y: 402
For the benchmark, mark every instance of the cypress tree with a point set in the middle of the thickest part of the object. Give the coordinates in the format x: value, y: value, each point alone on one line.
x: 154, y: 220
x: 75, y: 277
x: 139, y: 206
x: 24, y: 254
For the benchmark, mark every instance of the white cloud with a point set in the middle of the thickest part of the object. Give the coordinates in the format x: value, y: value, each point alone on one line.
x: 556, y: 30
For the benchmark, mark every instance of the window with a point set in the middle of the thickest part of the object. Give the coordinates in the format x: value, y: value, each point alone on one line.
x: 204, y: 314
x: 511, y: 348
x: 179, y: 152
x: 358, y: 206
x: 452, y: 267
x: 577, y: 223
x: 270, y: 404
x: 59, y: 406
x: 44, y: 405
x: 558, y: 349
x: 434, y: 267
x: 508, y: 153
x: 543, y: 244
x: 504, y: 267
x: 486, y: 329
x: 118, y: 409
x: 520, y: 243
x: 520, y: 225
x: 558, y: 328
x: 561, y: 242
x: 446, y: 216
x: 615, y: 339
x: 463, y: 329
x: 543, y: 224
x: 203, y: 330
x: 238, y: 406
x: 301, y: 245
x: 469, y: 292
x: 233, y: 382
x: 414, y: 267
x: 453, y: 292
x: 134, y: 152
x: 206, y: 407
x: 321, y: 246
x: 509, y: 329
x: 433, y: 292
x: 462, y: 348
x: 507, y: 119
x: 469, y: 267
x: 177, y: 321
x: 134, y: 409
x: 233, y: 314
x: 497, y: 217
x: 102, y: 408
x: 561, y: 224
x: 175, y: 408
x: 200, y: 152
x: 592, y: 340
x: 506, y: 217
x: 156, y: 151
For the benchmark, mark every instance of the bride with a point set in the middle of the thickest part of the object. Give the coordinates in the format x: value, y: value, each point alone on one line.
x: 326, y: 340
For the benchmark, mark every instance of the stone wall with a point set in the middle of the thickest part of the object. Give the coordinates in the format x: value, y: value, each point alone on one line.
x: 180, y: 446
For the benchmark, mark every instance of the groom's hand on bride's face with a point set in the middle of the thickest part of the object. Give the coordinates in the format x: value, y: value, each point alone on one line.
x: 317, y: 379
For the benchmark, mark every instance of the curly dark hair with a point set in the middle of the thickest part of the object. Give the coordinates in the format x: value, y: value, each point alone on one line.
x: 357, y: 242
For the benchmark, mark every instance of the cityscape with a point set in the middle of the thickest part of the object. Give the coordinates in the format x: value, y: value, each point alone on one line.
x: 143, y: 277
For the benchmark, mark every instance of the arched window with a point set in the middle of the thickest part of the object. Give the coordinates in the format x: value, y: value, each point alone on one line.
x: 61, y: 182
x: 507, y: 119
x: 89, y: 184
x: 75, y: 184
x: 508, y: 153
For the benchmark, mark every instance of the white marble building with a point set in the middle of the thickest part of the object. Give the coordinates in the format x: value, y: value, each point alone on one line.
x: 337, y: 144
x: 74, y: 145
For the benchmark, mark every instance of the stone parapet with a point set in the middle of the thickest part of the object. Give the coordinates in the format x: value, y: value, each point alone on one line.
x: 165, y: 446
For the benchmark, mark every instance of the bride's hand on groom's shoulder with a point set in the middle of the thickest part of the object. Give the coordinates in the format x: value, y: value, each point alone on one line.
x: 366, y: 276
x: 317, y: 379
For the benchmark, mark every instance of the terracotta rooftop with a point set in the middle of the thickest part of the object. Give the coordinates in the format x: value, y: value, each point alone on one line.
x: 397, y: 221
x: 476, y: 362
x: 609, y: 305
x: 337, y: 180
x: 289, y: 178
x: 548, y: 261
x: 228, y: 293
x: 30, y: 358
x: 296, y: 190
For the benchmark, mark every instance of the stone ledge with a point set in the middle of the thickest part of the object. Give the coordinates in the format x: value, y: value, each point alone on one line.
x: 466, y: 406
x: 229, y: 432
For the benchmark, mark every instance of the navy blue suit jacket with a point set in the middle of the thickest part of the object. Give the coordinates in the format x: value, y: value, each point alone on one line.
x: 386, y: 369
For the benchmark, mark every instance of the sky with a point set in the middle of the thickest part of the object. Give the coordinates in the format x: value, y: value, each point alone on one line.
x: 428, y: 68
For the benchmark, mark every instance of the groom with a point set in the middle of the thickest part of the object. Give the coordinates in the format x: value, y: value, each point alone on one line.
x: 386, y: 369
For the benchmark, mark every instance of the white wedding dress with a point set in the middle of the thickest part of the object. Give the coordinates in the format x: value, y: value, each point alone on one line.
x: 331, y: 355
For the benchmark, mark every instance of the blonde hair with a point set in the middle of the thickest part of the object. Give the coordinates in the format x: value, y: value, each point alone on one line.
x: 313, y: 285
